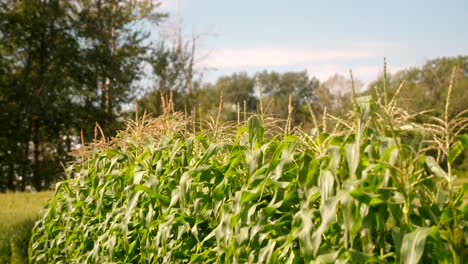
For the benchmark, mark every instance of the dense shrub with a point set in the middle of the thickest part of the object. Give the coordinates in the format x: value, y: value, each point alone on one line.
x: 159, y: 193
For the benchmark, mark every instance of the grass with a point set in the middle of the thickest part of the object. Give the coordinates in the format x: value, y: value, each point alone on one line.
x: 17, y: 215
x: 21, y: 206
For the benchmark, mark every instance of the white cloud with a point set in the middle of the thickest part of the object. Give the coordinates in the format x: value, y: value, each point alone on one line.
x: 364, y: 73
x: 272, y: 57
x: 364, y: 58
x: 368, y: 73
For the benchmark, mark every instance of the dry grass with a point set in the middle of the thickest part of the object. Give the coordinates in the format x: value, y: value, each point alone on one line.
x: 17, y: 215
x: 21, y: 206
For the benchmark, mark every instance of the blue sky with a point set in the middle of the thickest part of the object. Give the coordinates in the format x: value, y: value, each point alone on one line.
x: 322, y: 37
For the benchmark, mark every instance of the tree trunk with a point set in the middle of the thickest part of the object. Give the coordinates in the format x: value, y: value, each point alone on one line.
x: 11, y: 177
x: 106, y: 88
x: 35, y: 166
x: 189, y: 72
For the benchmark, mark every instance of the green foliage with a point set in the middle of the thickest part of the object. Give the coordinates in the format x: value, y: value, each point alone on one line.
x: 290, y: 88
x: 426, y: 87
x: 32, y: 33
x: 357, y: 195
x: 65, y: 65
x: 239, y: 93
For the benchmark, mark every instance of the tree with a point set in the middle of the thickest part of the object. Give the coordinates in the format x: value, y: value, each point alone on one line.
x: 175, y: 67
x: 238, y: 90
x: 112, y: 50
x: 335, y: 94
x: 39, y: 50
x: 277, y: 88
x: 65, y: 65
x: 170, y: 64
x: 426, y: 87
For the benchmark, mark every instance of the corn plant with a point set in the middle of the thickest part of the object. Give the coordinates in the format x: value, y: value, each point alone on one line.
x: 160, y: 193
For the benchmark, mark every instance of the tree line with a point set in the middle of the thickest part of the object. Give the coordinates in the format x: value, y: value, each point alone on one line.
x: 70, y: 66
x: 65, y: 66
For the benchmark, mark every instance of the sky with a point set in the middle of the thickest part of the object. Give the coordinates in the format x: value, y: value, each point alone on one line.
x: 322, y: 37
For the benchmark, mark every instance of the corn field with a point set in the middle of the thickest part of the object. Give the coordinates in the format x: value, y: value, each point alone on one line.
x: 374, y: 187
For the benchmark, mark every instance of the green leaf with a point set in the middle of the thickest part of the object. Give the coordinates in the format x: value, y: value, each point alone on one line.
x: 352, y: 157
x: 326, y: 184
x: 265, y: 253
x: 335, y: 158
x: 254, y: 160
x: 460, y: 194
x: 441, y: 198
x: 365, y: 106
x: 327, y: 258
x: 151, y: 193
x: 146, y: 189
x: 367, y: 198
x: 435, y: 168
x: 413, y: 244
x: 219, y: 191
x: 304, y: 218
x: 359, y: 257
x: 212, y: 150
x: 137, y: 176
x: 328, y: 215
x: 458, y: 147
x: 250, y: 195
x: 199, y: 258
x: 255, y: 132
